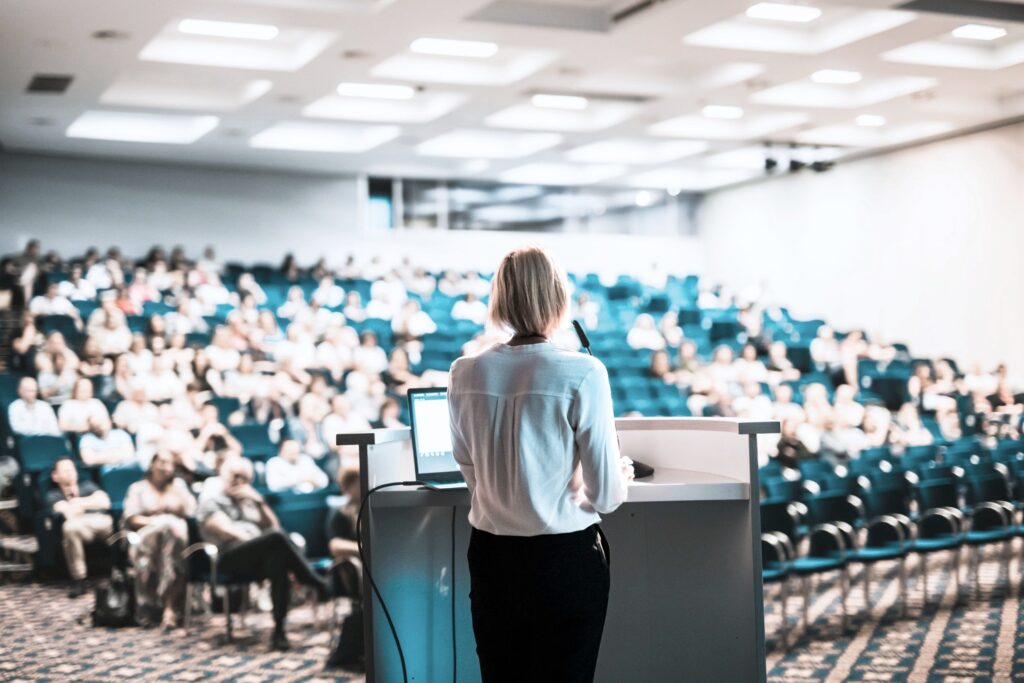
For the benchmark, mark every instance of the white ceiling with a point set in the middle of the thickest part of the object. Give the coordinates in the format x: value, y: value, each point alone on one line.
x: 273, y: 102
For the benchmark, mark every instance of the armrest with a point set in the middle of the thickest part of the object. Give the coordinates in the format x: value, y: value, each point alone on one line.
x: 955, y: 521
x: 131, y: 537
x: 210, y: 549
x: 848, y: 532
x: 858, y: 504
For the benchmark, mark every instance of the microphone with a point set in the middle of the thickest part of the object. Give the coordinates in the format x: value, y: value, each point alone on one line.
x: 584, y: 342
x: 640, y: 470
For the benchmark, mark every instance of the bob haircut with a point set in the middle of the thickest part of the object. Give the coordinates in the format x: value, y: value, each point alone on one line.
x: 529, y: 292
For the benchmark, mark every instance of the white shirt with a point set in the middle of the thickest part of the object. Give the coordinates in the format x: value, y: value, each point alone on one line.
x: 282, y: 474
x: 34, y: 419
x: 533, y: 431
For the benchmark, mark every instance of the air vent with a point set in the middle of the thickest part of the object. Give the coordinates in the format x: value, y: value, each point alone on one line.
x: 596, y: 16
x: 49, y: 84
x: 979, y: 9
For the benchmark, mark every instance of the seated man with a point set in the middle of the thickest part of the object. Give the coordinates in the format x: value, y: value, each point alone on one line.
x: 239, y: 522
x: 84, y: 507
x: 29, y: 416
x: 293, y: 469
x: 341, y: 530
x: 102, y: 445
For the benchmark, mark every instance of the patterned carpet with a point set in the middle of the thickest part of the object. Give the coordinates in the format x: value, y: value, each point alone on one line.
x: 977, y: 637
x: 45, y: 636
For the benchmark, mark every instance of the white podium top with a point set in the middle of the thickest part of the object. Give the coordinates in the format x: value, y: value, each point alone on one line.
x: 665, y: 485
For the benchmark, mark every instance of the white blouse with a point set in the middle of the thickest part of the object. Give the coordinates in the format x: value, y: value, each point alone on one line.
x: 533, y: 431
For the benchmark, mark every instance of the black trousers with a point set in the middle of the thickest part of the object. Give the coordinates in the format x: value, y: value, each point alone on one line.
x: 538, y: 605
x: 271, y: 556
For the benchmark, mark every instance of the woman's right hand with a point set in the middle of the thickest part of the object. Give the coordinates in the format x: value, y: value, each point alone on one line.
x: 627, y: 467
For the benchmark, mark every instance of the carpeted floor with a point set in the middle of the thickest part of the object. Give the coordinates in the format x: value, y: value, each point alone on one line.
x: 44, y: 636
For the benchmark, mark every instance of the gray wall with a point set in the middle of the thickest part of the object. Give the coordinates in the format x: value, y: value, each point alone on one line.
x: 71, y: 204
x: 922, y: 246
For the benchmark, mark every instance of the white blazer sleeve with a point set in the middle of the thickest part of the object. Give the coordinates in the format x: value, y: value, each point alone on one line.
x: 593, y: 419
x: 460, y: 449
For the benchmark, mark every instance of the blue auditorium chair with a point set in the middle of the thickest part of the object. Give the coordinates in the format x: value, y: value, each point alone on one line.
x: 255, y: 440
x: 38, y: 453
x: 115, y: 480
x: 940, y: 525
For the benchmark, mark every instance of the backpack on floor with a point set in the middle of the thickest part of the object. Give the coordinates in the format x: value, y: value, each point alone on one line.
x: 115, y: 602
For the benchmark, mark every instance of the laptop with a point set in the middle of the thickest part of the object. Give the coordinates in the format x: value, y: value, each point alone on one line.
x: 432, y: 439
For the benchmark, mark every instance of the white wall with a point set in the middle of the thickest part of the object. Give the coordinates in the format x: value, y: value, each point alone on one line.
x: 71, y: 204
x: 924, y: 246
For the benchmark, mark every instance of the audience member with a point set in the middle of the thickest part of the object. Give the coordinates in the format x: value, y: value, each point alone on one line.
x: 239, y: 522
x: 29, y: 416
x: 155, y: 508
x: 291, y: 469
x: 84, y: 508
x: 104, y: 445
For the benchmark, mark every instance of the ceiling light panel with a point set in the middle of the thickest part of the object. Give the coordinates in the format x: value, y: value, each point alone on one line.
x: 775, y: 11
x: 979, y: 32
x: 982, y: 56
x: 445, y: 47
x: 206, y: 91
x: 842, y: 96
x: 381, y: 91
x: 635, y: 151
x: 424, y: 107
x: 698, y: 127
x: 485, y: 144
x: 598, y: 115
x: 690, y: 179
x: 721, y: 111
x: 570, y: 102
x: 852, y: 135
x: 288, y: 50
x: 228, y: 29
x: 847, y: 26
x: 870, y: 120
x: 122, y: 126
x: 836, y: 77
x: 336, y: 138
x: 507, y: 66
x: 561, y: 174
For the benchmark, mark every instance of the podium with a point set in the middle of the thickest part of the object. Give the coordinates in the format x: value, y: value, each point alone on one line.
x: 685, y: 601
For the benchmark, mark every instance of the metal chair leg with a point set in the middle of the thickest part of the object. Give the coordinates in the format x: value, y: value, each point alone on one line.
x: 785, y: 619
x: 187, y: 619
x: 844, y: 583
x: 924, y: 580
x: 903, y: 586
x: 956, y: 570
x: 867, y: 586
x: 807, y: 599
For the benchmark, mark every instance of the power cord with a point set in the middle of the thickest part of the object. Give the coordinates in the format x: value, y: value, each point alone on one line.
x: 376, y: 591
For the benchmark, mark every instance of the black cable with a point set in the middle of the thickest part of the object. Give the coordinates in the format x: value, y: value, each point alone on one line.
x: 369, y: 575
x: 455, y: 660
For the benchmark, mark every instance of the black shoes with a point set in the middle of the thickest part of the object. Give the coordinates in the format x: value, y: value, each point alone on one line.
x: 78, y: 589
x: 279, y: 641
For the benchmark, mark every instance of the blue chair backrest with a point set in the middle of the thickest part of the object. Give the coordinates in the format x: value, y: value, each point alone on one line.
x: 39, y: 453
x: 115, y: 479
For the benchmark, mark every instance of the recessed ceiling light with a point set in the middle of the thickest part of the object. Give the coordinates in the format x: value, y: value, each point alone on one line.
x: 559, y: 101
x: 776, y: 11
x: 454, y: 48
x: 382, y: 91
x: 323, y: 137
x: 870, y: 120
x: 722, y: 111
x: 487, y: 144
x: 836, y: 77
x: 228, y: 29
x: 979, y: 32
x: 123, y: 126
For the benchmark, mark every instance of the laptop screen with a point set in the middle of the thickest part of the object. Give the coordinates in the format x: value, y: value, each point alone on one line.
x: 431, y: 432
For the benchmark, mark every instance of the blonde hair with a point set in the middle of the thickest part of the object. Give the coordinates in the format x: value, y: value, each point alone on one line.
x: 529, y: 292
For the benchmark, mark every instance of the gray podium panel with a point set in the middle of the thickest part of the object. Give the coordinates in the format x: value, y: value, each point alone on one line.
x: 681, y: 608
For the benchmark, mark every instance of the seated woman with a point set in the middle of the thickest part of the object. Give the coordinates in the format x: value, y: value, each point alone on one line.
x: 156, y: 507
x: 236, y: 518
x: 348, y: 576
